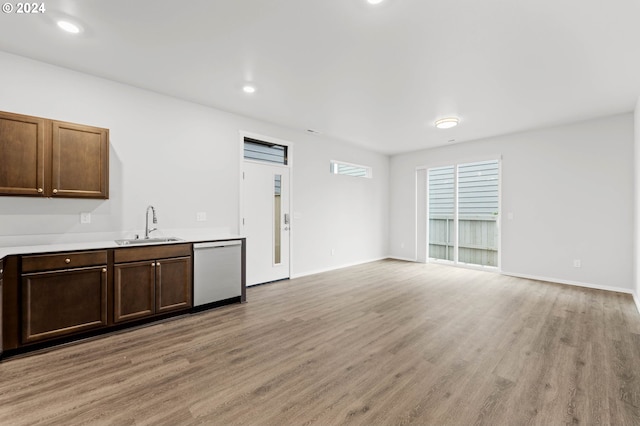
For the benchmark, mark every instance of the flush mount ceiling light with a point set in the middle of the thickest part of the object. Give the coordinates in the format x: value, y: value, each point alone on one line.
x: 248, y: 88
x: 447, y: 123
x: 374, y: 1
x: 69, y: 27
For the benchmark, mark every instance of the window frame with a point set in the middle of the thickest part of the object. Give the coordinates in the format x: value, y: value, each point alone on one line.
x: 334, y: 166
x: 254, y: 141
x: 423, y: 207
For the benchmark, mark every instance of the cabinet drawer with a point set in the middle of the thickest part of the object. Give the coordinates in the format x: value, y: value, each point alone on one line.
x: 47, y: 262
x: 135, y: 254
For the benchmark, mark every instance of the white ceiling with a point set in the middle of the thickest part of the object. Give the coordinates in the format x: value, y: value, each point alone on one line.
x: 376, y: 76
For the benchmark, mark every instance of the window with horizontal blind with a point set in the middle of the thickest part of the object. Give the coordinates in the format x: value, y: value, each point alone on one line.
x: 350, y: 169
x: 264, y: 151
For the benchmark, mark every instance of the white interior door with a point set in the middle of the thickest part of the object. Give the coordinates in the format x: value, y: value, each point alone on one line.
x: 266, y: 221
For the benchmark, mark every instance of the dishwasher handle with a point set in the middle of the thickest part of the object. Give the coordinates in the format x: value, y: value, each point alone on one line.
x: 215, y: 244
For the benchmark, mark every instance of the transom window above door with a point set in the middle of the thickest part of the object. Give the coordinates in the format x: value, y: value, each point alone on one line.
x: 265, y: 151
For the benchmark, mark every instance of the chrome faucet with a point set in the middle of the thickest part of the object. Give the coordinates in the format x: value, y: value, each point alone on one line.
x: 147, y: 231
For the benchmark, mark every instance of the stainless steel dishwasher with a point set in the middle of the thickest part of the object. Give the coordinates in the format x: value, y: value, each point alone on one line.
x: 217, y: 271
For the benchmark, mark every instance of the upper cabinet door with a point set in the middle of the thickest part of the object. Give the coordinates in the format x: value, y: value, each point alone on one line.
x: 23, y: 155
x: 41, y: 157
x: 80, y: 161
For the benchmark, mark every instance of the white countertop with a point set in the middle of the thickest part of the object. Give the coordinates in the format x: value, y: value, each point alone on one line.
x: 189, y: 236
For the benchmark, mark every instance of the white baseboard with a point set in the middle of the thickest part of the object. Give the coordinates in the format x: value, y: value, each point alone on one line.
x: 574, y: 283
x: 636, y: 298
x: 333, y: 268
x: 407, y: 259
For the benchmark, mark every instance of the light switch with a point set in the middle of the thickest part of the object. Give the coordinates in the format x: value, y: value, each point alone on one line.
x: 201, y: 216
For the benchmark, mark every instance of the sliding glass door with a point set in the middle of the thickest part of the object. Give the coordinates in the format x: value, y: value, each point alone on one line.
x: 463, y: 211
x: 442, y: 204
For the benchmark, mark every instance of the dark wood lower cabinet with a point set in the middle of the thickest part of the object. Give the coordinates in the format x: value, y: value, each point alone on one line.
x: 60, y: 303
x: 1, y: 306
x: 151, y: 287
x: 133, y: 290
x: 173, y: 284
x: 56, y: 297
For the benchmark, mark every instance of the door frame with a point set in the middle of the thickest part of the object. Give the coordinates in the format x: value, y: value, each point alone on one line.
x: 244, y: 134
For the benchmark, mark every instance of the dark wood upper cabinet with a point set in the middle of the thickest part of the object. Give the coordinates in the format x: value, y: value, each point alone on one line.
x: 22, y: 154
x: 41, y: 157
x: 80, y: 161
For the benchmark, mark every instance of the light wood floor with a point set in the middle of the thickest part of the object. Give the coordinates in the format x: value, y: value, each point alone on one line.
x: 388, y: 342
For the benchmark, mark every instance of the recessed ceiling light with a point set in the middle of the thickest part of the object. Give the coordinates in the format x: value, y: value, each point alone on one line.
x: 374, y: 1
x: 69, y: 27
x: 447, y: 123
x: 247, y: 88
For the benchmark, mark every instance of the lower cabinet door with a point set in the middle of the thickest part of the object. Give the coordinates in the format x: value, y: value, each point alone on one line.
x: 56, y: 304
x: 133, y: 290
x: 173, y: 284
x: 1, y: 310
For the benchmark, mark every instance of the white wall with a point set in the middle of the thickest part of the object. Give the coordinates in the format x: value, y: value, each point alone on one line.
x: 184, y: 158
x: 636, y: 251
x: 338, y: 212
x: 570, y: 189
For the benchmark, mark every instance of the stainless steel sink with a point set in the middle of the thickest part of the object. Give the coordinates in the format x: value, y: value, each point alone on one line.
x: 138, y: 241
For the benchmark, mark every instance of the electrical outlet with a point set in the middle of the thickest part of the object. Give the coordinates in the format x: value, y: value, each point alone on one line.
x: 577, y: 263
x: 201, y: 216
x: 85, y: 217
